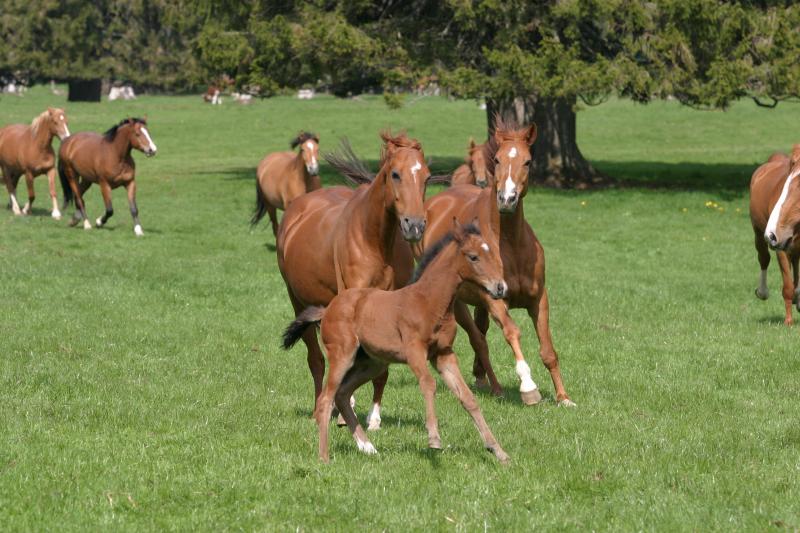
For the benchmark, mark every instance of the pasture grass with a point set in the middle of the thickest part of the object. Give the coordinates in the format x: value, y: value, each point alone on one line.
x: 142, y: 387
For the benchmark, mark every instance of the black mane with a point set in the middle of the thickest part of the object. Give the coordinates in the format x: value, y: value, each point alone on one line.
x: 112, y: 131
x: 431, y: 253
x: 302, y: 137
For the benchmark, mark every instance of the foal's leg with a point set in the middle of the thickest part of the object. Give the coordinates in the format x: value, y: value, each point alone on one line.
x: 51, y: 182
x: 31, y: 193
x: 417, y: 357
x: 498, y: 309
x: 364, y: 369
x: 273, y: 218
x: 137, y: 226
x: 481, y: 365
x: 341, y: 360
x: 447, y: 365
x: 788, y: 286
x: 105, y: 188
x: 539, y: 312
x: 374, y: 415
x: 762, y: 292
x: 11, y: 185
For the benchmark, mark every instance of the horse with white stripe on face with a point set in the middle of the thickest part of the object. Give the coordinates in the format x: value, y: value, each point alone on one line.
x: 283, y: 176
x: 28, y: 150
x: 775, y: 215
x: 105, y: 160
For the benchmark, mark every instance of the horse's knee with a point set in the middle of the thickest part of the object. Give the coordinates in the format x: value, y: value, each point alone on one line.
x: 511, y: 331
x: 549, y: 358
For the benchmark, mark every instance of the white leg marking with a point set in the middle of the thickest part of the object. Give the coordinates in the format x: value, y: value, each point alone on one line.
x: 524, y: 373
x: 772, y: 225
x: 763, y: 291
x: 137, y: 229
x: 366, y: 447
x: 27, y: 209
x: 87, y: 224
x: 15, y: 205
x: 56, y: 213
x: 99, y: 222
x: 374, y: 417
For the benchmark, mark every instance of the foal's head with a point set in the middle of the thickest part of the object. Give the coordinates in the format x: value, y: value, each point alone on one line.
x: 55, y: 120
x: 405, y: 173
x: 512, y: 162
x: 784, y: 221
x: 477, y: 163
x: 136, y: 129
x: 309, y: 149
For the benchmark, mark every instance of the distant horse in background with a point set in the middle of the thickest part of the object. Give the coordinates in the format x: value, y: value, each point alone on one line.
x: 283, y: 176
x: 105, y: 160
x: 775, y: 216
x: 28, y: 150
x: 212, y: 95
x: 473, y: 171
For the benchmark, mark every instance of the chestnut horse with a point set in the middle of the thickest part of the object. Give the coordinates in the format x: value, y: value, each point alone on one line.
x: 500, y: 211
x: 105, y: 160
x: 364, y: 330
x: 339, y: 238
x: 28, y: 150
x: 775, y: 216
x: 283, y: 176
x: 473, y: 171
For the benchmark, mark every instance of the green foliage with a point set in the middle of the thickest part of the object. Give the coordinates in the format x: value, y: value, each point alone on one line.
x: 393, y: 100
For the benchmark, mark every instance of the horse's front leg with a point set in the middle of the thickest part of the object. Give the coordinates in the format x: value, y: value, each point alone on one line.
x: 539, y: 312
x: 137, y: 226
x: 788, y: 286
x: 417, y: 357
x: 481, y: 366
x: 31, y: 193
x: 105, y: 188
x: 51, y: 182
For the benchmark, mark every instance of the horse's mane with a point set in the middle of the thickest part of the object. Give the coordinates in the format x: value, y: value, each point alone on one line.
x: 37, y: 122
x: 112, y: 131
x: 346, y: 162
x: 431, y: 253
x: 302, y: 137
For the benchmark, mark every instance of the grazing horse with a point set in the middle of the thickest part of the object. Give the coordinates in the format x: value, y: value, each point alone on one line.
x: 499, y: 210
x: 338, y: 238
x: 473, y: 171
x: 105, y: 160
x: 283, y: 176
x: 775, y: 216
x: 28, y: 150
x: 364, y: 330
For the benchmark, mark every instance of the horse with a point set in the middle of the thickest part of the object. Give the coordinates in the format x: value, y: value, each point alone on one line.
x: 775, y: 217
x: 105, y: 160
x: 364, y: 330
x: 473, y: 171
x: 500, y: 212
x: 283, y: 176
x: 338, y: 238
x: 212, y: 95
x: 28, y: 150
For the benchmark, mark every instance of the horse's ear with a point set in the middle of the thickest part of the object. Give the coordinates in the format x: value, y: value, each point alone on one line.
x: 471, y: 144
x: 458, y: 231
x: 795, y: 154
x: 388, y: 140
x: 531, y: 134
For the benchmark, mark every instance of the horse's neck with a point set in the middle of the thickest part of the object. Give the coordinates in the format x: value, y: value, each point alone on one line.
x: 439, y: 283
x: 512, y: 224
x: 379, y: 225
x: 122, y: 144
x: 42, y: 134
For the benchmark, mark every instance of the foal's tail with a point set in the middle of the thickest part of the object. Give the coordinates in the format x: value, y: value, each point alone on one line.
x: 261, y: 205
x: 295, y: 330
x: 69, y: 197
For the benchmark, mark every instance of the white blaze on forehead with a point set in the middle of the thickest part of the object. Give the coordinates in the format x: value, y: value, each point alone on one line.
x: 415, y: 169
x: 772, y: 225
x: 147, y: 136
x: 485, y: 247
x: 310, y: 146
x: 513, y: 152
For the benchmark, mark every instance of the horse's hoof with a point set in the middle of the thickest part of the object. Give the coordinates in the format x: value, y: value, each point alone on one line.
x: 340, y: 421
x: 138, y: 231
x: 87, y: 224
x: 501, y: 456
x: 374, y: 423
x: 497, y: 393
x: 435, y: 444
x: 99, y: 222
x: 366, y: 447
x: 566, y: 402
x: 531, y: 397
x: 788, y: 322
x: 482, y: 383
x: 56, y: 215
x: 762, y: 295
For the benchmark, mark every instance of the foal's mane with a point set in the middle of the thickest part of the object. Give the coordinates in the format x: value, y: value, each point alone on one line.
x: 431, y: 253
x: 112, y: 131
x: 302, y: 137
x: 37, y: 122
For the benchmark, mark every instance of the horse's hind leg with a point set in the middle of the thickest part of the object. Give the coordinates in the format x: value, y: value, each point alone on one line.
x: 51, y: 182
x: 539, y: 312
x: 131, y: 190
x: 11, y: 185
x: 31, y: 194
x: 762, y: 292
x: 788, y: 286
x: 273, y: 218
x: 364, y: 369
x: 341, y: 360
x: 105, y: 188
x: 481, y: 366
x: 79, y: 190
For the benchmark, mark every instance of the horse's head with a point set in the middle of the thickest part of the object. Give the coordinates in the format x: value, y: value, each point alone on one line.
x: 140, y: 137
x: 479, y: 262
x: 405, y: 173
x: 477, y: 163
x: 309, y: 149
x: 784, y: 221
x: 512, y: 162
x: 58, y: 122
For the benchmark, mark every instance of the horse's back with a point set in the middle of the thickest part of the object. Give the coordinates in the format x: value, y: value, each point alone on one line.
x: 11, y: 140
x: 76, y: 143
x: 766, y: 185
x: 459, y: 201
x: 462, y: 176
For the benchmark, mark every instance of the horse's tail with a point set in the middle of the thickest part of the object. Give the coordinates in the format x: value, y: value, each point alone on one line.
x: 69, y: 197
x: 295, y: 330
x: 261, y: 205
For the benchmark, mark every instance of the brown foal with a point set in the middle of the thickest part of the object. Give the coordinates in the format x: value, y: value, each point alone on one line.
x: 283, y: 176
x: 105, y: 160
x: 473, y: 171
x: 338, y: 238
x: 499, y: 210
x: 775, y: 216
x: 28, y: 150
x: 364, y: 330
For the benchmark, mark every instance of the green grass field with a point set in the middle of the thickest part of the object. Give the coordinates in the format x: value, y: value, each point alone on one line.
x: 142, y: 386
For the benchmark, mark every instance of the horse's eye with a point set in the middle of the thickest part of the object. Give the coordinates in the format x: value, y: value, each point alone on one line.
x: 527, y: 163
x: 472, y: 257
x: 395, y: 175
x: 496, y: 161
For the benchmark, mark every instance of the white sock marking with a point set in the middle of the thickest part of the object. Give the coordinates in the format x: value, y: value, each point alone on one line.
x: 772, y: 225
x: 15, y: 205
x: 374, y: 417
x: 99, y: 222
x: 524, y: 373
x: 366, y: 447
x: 137, y: 229
x: 87, y: 224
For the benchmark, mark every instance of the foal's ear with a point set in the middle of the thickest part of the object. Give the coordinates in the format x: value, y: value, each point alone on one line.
x: 530, y: 136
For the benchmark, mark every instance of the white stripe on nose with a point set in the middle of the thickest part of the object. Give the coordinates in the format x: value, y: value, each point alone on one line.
x: 415, y: 169
x: 772, y: 225
x: 149, y: 140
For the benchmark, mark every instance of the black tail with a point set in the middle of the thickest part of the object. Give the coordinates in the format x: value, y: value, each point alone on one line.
x: 295, y: 330
x: 347, y: 163
x: 69, y: 197
x: 261, y: 205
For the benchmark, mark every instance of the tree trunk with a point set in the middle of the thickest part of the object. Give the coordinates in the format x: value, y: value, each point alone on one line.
x: 557, y: 160
x: 84, y: 90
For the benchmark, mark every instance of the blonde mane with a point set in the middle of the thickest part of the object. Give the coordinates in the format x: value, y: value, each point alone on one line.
x: 37, y: 122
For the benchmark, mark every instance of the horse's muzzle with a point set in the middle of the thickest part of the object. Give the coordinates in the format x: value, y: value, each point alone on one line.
x: 772, y: 241
x: 507, y: 203
x: 497, y: 290
x: 149, y: 153
x: 412, y: 228
x: 482, y: 183
x: 313, y: 169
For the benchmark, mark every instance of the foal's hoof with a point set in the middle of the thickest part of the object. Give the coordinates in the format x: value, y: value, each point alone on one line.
x: 501, y: 456
x: 531, y: 397
x: 762, y: 295
x: 566, y: 402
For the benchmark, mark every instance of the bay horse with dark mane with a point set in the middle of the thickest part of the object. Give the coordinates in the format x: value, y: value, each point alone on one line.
x: 499, y: 210
x: 474, y: 170
x: 28, y: 150
x: 105, y: 160
x: 338, y: 238
x: 775, y: 216
x: 364, y: 330
x: 283, y: 176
